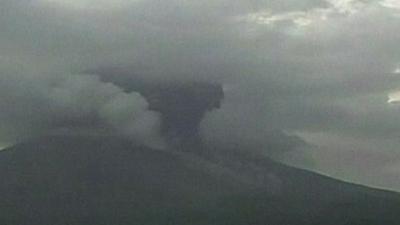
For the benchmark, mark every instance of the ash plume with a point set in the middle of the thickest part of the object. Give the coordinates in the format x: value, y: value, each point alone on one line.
x: 181, y: 105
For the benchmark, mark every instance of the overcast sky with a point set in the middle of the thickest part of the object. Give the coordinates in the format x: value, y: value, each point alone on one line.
x: 322, y: 71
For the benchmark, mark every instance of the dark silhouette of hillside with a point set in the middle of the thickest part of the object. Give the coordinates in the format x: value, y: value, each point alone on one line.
x: 104, y: 180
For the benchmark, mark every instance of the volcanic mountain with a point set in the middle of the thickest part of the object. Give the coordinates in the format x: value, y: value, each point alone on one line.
x: 91, y: 180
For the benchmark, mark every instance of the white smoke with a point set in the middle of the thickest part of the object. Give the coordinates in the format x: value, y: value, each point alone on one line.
x: 75, y: 104
x: 127, y: 112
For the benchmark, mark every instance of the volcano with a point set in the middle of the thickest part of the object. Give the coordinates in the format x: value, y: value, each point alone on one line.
x: 60, y: 180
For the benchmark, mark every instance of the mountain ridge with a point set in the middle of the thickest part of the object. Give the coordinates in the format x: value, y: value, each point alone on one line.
x: 109, y: 180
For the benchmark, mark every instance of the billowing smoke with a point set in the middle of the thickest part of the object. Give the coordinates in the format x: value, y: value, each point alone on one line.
x: 181, y: 105
x: 195, y: 116
x: 75, y: 105
x: 182, y: 108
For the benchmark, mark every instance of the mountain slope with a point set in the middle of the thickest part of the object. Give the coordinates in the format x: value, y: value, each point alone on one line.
x: 89, y: 180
